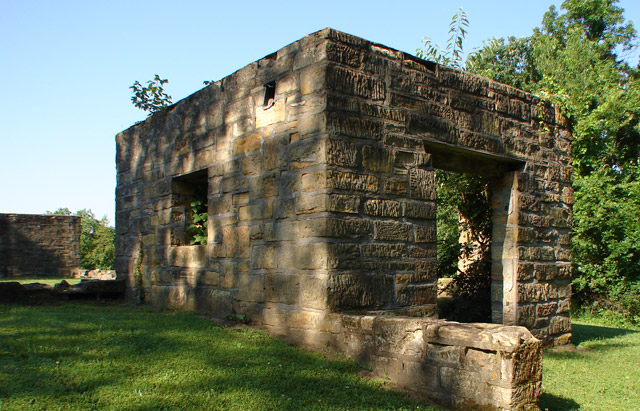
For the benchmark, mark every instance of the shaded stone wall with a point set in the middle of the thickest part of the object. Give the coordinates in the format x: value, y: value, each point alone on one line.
x: 461, y: 366
x: 39, y: 245
x: 318, y: 166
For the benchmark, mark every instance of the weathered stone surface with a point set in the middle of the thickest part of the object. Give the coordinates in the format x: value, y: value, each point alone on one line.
x: 358, y: 291
x: 39, y: 245
x: 383, y: 208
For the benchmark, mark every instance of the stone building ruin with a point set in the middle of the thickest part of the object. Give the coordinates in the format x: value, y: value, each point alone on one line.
x: 34, y: 245
x: 317, y: 167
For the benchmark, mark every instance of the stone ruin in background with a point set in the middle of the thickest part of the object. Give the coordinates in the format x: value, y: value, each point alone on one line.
x: 33, y: 245
x: 317, y: 164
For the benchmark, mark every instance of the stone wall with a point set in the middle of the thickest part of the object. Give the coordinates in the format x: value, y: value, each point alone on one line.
x: 39, y: 245
x: 461, y: 366
x: 318, y: 165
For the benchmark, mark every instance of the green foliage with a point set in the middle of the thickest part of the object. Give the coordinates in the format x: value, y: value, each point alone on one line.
x: 606, y: 243
x: 573, y: 61
x: 152, y: 97
x: 451, y: 55
x: 97, y: 248
x: 198, y: 227
x: 464, y: 225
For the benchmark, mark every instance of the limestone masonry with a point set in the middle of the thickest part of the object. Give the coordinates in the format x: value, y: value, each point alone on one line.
x: 317, y: 164
x: 39, y: 245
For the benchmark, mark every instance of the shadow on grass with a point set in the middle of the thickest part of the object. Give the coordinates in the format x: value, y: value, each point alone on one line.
x: 584, y: 332
x: 77, y: 355
x: 554, y: 403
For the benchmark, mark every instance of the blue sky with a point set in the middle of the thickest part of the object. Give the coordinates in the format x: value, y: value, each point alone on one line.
x: 66, y: 68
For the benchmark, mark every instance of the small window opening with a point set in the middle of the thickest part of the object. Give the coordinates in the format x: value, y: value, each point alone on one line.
x: 269, y: 95
x: 189, y: 209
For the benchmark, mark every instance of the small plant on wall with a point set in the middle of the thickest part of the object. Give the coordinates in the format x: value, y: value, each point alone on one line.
x: 198, y: 227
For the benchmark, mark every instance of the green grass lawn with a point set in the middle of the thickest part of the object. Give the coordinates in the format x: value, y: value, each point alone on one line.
x: 602, y: 371
x: 49, y: 281
x: 87, y: 356
x: 115, y: 357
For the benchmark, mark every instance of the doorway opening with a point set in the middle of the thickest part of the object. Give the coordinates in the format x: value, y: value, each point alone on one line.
x: 476, y: 234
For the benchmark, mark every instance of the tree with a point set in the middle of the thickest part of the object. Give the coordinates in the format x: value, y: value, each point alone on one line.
x: 151, y: 98
x: 97, y: 249
x: 451, y: 54
x: 573, y: 59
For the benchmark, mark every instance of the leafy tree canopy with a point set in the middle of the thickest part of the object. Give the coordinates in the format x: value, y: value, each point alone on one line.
x: 97, y: 249
x: 575, y: 59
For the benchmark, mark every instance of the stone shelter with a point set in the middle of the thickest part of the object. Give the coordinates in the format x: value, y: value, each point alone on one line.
x: 317, y: 167
x: 34, y: 245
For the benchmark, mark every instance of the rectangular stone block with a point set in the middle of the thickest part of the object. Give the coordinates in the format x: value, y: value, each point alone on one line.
x: 425, y: 233
x: 422, y: 184
x: 392, y: 231
x: 350, y: 82
x: 357, y: 291
x: 376, y: 159
x: 410, y: 295
x: 379, y: 250
x: 251, y: 288
x: 342, y: 153
x: 351, y: 181
x: 282, y: 288
x: 383, y: 208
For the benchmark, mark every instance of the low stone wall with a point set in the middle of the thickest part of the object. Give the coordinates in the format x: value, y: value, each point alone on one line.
x: 34, y: 245
x: 462, y: 366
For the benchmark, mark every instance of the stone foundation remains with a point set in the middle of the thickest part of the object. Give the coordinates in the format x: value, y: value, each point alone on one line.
x: 317, y: 167
x: 39, y: 245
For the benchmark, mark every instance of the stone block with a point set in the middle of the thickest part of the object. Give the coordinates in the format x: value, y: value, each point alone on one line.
x: 339, y: 124
x: 314, y: 181
x: 247, y: 144
x: 419, y: 251
x: 282, y: 288
x: 383, y: 208
x: 422, y: 184
x: 275, y: 153
x: 411, y: 295
x: 396, y: 186
x: 392, y: 231
x: 425, y: 233
x: 263, y: 256
x: 313, y: 291
x: 420, y: 210
x: 258, y: 211
x: 335, y: 228
x: 350, y: 82
x: 308, y: 153
x: 376, y: 159
x: 342, y: 153
x: 358, y: 291
x: 309, y: 320
x: 251, y: 288
x: 271, y: 115
x: 208, y: 278
x: 381, y: 250
x: 351, y: 181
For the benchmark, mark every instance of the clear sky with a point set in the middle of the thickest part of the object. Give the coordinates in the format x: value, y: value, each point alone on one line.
x: 66, y: 68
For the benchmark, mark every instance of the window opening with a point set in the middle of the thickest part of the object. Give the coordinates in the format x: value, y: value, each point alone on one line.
x: 190, y: 209
x: 269, y: 95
